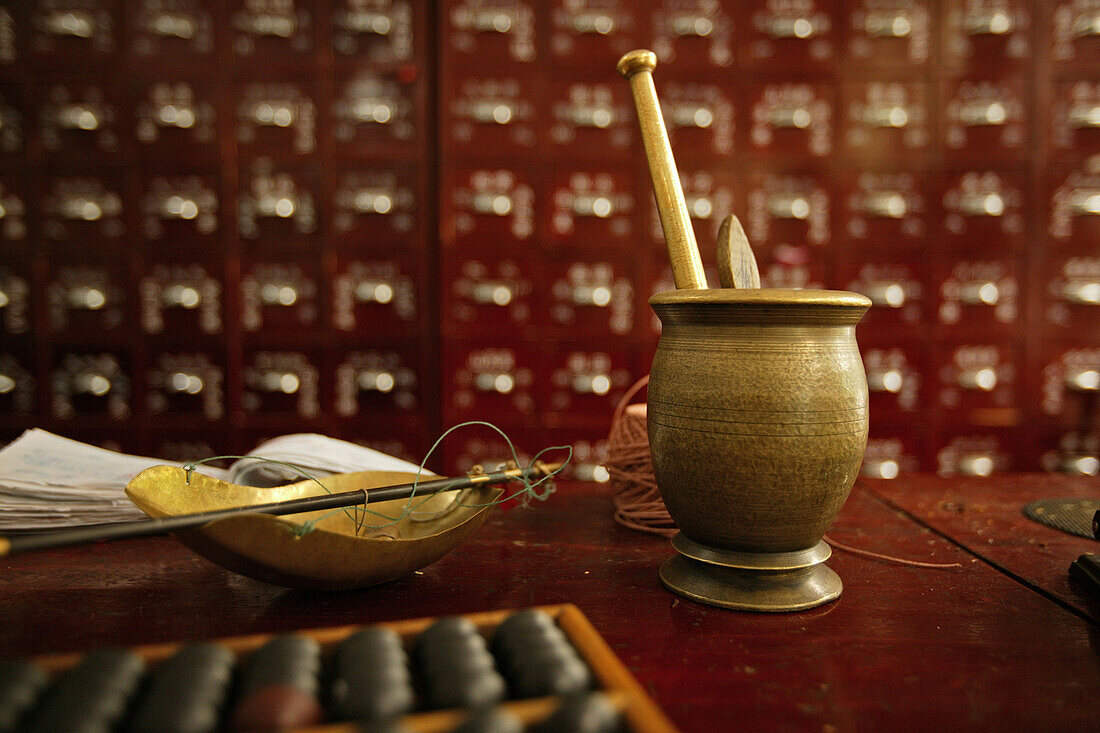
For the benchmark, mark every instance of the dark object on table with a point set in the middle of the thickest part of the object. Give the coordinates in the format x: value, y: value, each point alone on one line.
x: 20, y: 683
x: 185, y: 692
x: 1075, y: 516
x: 492, y: 720
x: 279, y: 686
x: 537, y: 658
x: 91, y: 696
x: 1086, y: 571
x: 371, y: 679
x: 456, y: 666
x: 591, y: 713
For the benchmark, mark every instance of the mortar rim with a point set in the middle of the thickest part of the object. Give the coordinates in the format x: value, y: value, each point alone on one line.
x: 762, y: 296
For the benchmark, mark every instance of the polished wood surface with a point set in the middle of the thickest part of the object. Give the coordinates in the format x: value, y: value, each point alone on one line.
x: 903, y: 647
x: 985, y: 516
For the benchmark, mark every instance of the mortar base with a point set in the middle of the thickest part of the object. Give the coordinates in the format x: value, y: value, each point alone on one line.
x: 751, y: 581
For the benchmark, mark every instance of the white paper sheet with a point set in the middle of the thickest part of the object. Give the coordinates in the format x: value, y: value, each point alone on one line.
x: 48, y: 482
x: 317, y: 454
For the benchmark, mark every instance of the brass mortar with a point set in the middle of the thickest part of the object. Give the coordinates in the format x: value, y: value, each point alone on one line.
x: 757, y: 415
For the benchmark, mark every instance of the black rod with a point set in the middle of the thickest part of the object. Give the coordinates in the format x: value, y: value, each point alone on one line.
x: 13, y: 544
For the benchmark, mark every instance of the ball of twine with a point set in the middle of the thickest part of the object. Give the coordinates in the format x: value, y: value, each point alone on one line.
x: 638, y: 504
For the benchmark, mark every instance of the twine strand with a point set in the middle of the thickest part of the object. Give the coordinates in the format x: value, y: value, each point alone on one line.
x: 638, y: 503
x: 890, y: 558
x: 530, y: 489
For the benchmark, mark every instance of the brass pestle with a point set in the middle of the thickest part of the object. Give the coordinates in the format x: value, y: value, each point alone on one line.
x: 736, y: 264
x: 687, y: 267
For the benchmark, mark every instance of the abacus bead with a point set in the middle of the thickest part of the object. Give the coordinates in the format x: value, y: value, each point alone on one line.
x: 591, y: 713
x: 456, y: 666
x: 492, y: 720
x: 20, y: 683
x: 376, y: 641
x: 529, y: 634
x: 91, y: 696
x: 538, y: 651
x: 468, y: 657
x: 517, y: 628
x: 562, y: 676
x: 185, y: 692
x: 523, y: 622
x: 371, y: 678
x: 376, y: 703
x: 371, y: 654
x: 289, y: 660
x: 278, y: 687
x: 448, y: 627
x: 472, y: 691
x: 538, y: 658
x: 276, y: 707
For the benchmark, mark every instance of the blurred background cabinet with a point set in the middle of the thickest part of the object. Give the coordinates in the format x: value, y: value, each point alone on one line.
x: 222, y: 221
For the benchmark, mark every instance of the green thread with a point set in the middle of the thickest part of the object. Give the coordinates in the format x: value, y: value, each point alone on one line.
x: 526, y: 494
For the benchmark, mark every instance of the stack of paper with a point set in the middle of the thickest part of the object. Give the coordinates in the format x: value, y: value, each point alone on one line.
x: 47, y: 481
x: 318, y: 455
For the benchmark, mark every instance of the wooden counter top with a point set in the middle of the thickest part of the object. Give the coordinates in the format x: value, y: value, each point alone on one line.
x: 1003, y: 642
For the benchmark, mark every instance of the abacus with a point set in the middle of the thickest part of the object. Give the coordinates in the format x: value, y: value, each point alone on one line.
x: 538, y: 669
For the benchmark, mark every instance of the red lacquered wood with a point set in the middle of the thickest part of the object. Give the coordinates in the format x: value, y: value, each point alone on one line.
x: 985, y: 515
x: 903, y: 647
